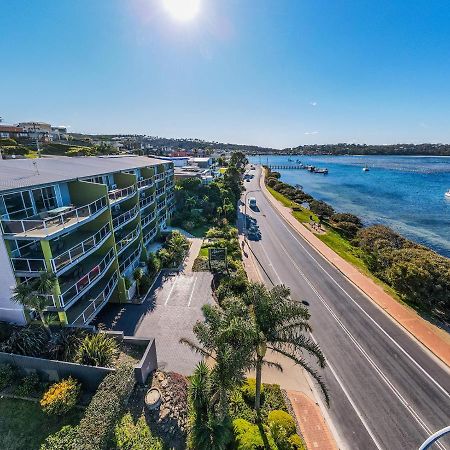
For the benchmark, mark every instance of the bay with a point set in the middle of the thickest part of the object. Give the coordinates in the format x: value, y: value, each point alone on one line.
x: 405, y: 193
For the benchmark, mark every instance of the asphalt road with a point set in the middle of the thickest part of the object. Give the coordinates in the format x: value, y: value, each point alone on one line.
x: 387, y: 392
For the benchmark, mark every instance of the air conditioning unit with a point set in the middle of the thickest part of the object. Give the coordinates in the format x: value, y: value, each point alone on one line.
x: 114, y: 186
x: 141, y: 178
x: 117, y: 208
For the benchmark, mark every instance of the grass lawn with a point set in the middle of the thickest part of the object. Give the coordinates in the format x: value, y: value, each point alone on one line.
x: 336, y: 242
x: 23, y: 425
x: 200, y: 232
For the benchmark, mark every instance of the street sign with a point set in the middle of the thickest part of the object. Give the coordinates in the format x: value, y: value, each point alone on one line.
x: 218, y: 255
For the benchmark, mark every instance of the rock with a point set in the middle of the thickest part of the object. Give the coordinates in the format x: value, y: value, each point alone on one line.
x: 164, y: 413
x: 164, y: 383
x: 160, y: 376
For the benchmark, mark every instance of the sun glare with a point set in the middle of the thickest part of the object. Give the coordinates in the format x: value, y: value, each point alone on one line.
x: 182, y: 10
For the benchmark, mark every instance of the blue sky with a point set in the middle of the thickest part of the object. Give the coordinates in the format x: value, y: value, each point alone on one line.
x: 268, y: 72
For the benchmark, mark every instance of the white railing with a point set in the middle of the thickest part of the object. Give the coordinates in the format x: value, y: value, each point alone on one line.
x: 119, y: 194
x: 128, y: 239
x: 130, y: 260
x: 160, y: 192
x: 159, y: 177
x: 60, y: 220
x: 84, y: 282
x: 149, y: 236
x: 97, y: 302
x: 143, y: 184
x: 161, y: 206
x: 77, y: 251
x: 125, y: 217
x: 32, y: 265
x: 146, y: 201
x: 148, y: 219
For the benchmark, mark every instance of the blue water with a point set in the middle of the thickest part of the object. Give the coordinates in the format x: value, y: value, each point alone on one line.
x: 405, y: 193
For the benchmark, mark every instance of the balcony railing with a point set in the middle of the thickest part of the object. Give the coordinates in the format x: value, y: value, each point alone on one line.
x: 148, y: 219
x: 50, y: 225
x: 159, y: 177
x: 133, y: 259
x: 146, y: 201
x: 143, y: 184
x: 161, y: 206
x: 84, y: 282
x: 31, y: 265
x: 150, y: 235
x: 77, y: 251
x: 160, y: 192
x: 127, y: 216
x: 97, y: 302
x: 128, y: 239
x: 120, y: 194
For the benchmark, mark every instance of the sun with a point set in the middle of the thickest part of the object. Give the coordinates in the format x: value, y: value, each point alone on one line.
x: 182, y: 10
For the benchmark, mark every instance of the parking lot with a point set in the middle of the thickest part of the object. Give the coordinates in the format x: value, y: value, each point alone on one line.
x: 168, y: 314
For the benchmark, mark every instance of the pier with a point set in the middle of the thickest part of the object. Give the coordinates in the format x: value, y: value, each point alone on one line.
x: 286, y: 166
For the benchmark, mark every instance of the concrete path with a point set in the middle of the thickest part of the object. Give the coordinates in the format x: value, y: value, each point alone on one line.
x: 196, y: 244
x: 435, y: 339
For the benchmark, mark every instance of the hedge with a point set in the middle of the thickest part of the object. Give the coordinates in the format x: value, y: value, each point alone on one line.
x: 96, y: 428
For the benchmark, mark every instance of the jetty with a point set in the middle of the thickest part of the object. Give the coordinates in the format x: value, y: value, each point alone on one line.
x: 286, y: 166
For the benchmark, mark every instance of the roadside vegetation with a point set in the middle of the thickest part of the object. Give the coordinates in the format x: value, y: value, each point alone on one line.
x: 409, y: 271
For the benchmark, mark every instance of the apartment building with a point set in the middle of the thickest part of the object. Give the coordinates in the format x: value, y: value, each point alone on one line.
x: 90, y: 221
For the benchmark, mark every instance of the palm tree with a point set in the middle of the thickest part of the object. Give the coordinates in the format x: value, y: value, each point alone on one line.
x: 206, y: 430
x: 33, y: 295
x: 137, y: 276
x: 224, y: 339
x: 279, y: 325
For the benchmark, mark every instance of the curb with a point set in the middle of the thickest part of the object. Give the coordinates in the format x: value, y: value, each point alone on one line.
x: 276, y: 204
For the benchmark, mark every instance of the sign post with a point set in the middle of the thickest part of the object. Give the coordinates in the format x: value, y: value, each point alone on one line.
x: 218, y: 256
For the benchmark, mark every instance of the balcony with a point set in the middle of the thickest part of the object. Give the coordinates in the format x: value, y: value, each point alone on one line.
x: 124, y: 218
x: 159, y: 177
x: 124, y: 242
x: 160, y: 192
x: 73, y: 290
x: 42, y: 227
x: 144, y: 184
x: 78, y: 250
x: 28, y: 266
x: 146, y: 201
x: 149, y: 218
x: 117, y: 195
x: 150, y: 236
x: 86, y: 309
x: 129, y: 259
x: 160, y: 206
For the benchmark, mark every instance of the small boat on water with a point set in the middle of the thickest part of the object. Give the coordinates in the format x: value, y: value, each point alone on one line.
x: 447, y: 194
x: 299, y: 186
x: 365, y: 168
x: 318, y: 170
x: 310, y: 168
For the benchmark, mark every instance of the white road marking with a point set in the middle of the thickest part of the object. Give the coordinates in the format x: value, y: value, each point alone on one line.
x: 356, y: 343
x: 170, y: 293
x: 192, y: 291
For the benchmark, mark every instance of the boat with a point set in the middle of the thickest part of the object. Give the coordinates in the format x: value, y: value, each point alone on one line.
x: 447, y: 194
x: 318, y: 170
x: 365, y: 168
x: 310, y: 168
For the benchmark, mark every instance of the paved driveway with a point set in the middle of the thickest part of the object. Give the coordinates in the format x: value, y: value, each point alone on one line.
x: 169, y: 313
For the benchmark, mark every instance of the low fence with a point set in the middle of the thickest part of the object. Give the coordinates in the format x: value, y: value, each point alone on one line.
x: 89, y: 376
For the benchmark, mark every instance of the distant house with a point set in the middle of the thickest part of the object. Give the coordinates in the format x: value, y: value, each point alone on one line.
x: 178, y: 161
x: 40, y: 130
x: 12, y: 132
x: 203, y: 163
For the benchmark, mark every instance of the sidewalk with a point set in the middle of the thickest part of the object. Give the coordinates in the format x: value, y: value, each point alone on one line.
x: 435, y: 339
x: 194, y: 249
x: 294, y: 380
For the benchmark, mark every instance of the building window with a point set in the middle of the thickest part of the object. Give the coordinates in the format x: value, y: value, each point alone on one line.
x: 45, y: 199
x: 18, y: 205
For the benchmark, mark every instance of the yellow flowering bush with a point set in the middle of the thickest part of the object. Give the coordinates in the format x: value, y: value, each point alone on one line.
x: 61, y: 397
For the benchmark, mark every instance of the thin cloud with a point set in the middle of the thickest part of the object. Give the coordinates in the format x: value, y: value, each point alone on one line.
x: 308, y: 133
x: 313, y: 103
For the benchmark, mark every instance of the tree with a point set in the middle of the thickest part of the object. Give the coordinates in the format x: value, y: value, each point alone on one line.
x: 322, y: 209
x: 137, y: 276
x: 279, y: 325
x: 239, y: 160
x: 33, y: 295
x: 224, y: 338
x: 206, y: 429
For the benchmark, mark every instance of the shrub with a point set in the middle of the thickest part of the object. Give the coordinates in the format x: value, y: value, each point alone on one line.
x: 7, y: 375
x: 64, y: 343
x: 282, y: 419
x: 61, y: 397
x: 29, y: 385
x: 146, y: 282
x: 297, y: 442
x: 107, y: 406
x: 321, y: 209
x: 249, y: 391
x: 153, y: 264
x: 97, y: 350
x: 252, y: 437
x: 347, y: 229
x: 64, y: 439
x: 6, y: 329
x: 346, y: 217
x: 135, y: 436
x: 29, y: 341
